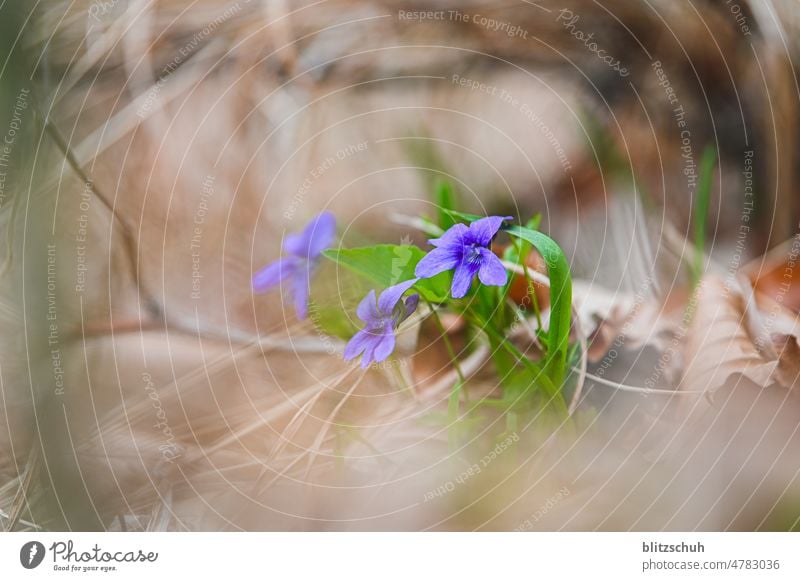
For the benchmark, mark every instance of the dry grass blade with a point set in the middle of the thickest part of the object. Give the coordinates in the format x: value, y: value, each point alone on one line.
x: 313, y: 393
x: 129, y: 241
x: 317, y: 441
x: 161, y: 515
x: 274, y: 411
x: 296, y: 422
x: 314, y: 450
x: 20, y: 502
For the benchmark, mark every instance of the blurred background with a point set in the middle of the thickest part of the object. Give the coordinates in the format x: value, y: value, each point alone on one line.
x: 156, y: 152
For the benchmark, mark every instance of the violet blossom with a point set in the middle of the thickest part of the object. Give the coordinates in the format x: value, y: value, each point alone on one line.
x: 466, y: 249
x: 302, y: 255
x: 381, y: 316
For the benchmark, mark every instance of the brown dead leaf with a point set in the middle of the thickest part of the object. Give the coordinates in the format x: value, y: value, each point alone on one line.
x: 634, y: 322
x: 788, y: 368
x: 774, y: 274
x: 718, y: 343
x: 431, y: 360
x: 601, y: 339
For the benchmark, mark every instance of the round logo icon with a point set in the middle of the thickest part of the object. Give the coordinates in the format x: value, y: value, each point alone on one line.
x: 31, y: 554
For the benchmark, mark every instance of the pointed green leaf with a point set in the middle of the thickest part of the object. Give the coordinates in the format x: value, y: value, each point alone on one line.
x: 560, y: 299
x: 389, y: 264
x: 446, y: 201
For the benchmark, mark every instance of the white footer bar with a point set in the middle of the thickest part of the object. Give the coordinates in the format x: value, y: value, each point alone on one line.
x: 402, y: 556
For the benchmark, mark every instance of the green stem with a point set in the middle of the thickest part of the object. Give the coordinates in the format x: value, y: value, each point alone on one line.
x: 448, y: 345
x: 701, y: 211
x: 453, y: 407
x: 531, y: 292
x: 541, y: 377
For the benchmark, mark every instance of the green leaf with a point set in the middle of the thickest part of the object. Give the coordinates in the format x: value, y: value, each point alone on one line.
x: 446, y: 201
x: 560, y: 299
x: 389, y: 264
x: 514, y: 254
x: 332, y: 299
x: 519, y: 374
x: 331, y: 320
x: 462, y: 216
x: 700, y: 216
x: 535, y: 222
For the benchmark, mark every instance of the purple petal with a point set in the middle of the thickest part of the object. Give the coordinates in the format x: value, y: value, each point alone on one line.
x: 367, y: 309
x: 315, y: 237
x: 369, y: 350
x: 437, y: 261
x: 301, y: 289
x: 272, y: 274
x: 411, y: 306
x: 296, y: 245
x: 358, y: 344
x: 462, y: 278
x: 384, y: 347
x: 322, y: 232
x: 482, y: 231
x: 492, y: 271
x: 389, y: 297
x: 454, y: 236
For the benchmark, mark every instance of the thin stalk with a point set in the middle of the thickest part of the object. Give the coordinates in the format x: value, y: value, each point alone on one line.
x: 541, y: 377
x: 453, y: 403
x: 528, y: 282
x: 448, y: 345
x: 700, y: 217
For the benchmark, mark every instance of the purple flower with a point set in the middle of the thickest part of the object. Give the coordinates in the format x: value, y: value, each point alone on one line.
x: 381, y: 317
x: 466, y: 249
x: 302, y: 254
